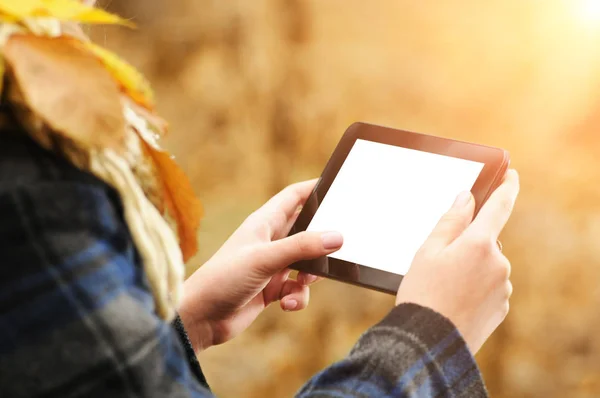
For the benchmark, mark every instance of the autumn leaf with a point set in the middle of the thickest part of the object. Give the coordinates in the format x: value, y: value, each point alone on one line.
x: 132, y: 82
x: 7, y: 18
x: 62, y: 10
x: 68, y: 88
x: 180, y: 199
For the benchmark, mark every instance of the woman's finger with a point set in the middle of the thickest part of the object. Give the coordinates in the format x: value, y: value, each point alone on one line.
x: 290, y: 197
x: 295, y: 296
x: 281, y: 208
x: 451, y: 225
x: 274, y: 289
x: 311, y: 204
x: 497, y: 210
x: 276, y: 256
x: 307, y: 279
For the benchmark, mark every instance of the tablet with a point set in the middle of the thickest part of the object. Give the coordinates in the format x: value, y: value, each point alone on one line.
x: 385, y: 190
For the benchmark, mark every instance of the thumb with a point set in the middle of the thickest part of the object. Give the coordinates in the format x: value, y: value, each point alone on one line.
x: 281, y: 253
x: 452, y: 224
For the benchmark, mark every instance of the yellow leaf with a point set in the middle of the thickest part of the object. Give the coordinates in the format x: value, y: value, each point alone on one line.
x: 68, y: 88
x: 21, y: 8
x: 132, y: 82
x: 63, y: 10
x: 7, y: 18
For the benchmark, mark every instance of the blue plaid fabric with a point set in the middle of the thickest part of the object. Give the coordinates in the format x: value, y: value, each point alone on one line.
x: 77, y: 318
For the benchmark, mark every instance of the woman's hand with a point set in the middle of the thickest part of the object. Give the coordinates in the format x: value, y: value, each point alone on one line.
x: 249, y: 272
x: 460, y: 271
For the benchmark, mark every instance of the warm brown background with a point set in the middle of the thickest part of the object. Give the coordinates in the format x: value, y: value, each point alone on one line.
x: 259, y: 91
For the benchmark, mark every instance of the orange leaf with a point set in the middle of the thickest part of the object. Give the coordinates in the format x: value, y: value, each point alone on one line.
x: 68, y: 88
x: 180, y: 199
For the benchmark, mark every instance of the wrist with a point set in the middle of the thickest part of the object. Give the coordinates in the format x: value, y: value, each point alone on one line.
x: 450, y: 316
x: 200, y: 332
x: 426, y: 321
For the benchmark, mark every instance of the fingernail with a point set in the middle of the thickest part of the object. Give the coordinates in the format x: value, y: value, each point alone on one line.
x: 290, y: 305
x: 309, y: 278
x: 463, y: 199
x: 332, y: 240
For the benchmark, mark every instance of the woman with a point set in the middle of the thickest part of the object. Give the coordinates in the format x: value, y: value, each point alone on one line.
x: 78, y: 317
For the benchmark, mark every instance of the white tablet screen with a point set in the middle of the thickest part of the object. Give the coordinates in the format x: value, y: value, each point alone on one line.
x: 386, y: 200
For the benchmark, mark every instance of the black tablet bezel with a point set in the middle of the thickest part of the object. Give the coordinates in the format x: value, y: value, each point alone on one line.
x: 495, y: 162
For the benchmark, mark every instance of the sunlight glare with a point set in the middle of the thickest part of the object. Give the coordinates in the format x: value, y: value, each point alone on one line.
x: 590, y: 11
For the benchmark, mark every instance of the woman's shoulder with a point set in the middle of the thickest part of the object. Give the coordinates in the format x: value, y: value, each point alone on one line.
x: 23, y: 161
x: 47, y: 184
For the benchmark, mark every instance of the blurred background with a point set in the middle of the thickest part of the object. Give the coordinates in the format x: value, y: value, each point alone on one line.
x: 259, y: 92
